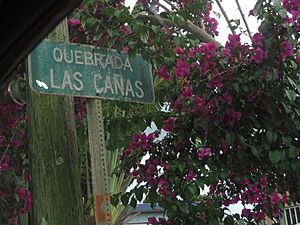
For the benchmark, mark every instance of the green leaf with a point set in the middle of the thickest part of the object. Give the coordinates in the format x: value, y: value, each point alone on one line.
x: 144, y: 36
x: 110, y: 32
x: 125, y: 199
x: 258, y: 8
x: 133, y: 202
x: 254, y: 152
x: 291, y: 94
x: 139, y: 193
x: 292, y: 82
x: 271, y: 136
x: 229, y: 220
x: 276, y: 156
x: 114, y: 199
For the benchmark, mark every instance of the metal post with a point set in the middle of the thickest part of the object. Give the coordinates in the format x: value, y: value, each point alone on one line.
x: 98, y: 162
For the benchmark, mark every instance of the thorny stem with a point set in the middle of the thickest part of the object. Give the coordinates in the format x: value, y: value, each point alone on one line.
x: 225, y: 16
x: 244, y: 19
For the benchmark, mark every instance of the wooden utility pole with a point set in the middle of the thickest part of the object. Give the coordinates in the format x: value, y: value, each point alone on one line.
x: 53, y: 152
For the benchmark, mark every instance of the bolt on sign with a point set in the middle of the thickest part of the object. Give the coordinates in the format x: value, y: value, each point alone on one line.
x: 87, y: 71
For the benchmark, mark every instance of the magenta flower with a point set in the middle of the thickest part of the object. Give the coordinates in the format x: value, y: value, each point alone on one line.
x: 274, y: 199
x: 251, y: 13
x: 234, y: 41
x: 151, y: 169
x: 287, y: 50
x: 216, y: 81
x: 245, y: 181
x: 204, y: 152
x: 126, y: 30
x: 246, y: 212
x: 191, y: 176
x: 258, y: 55
x: 182, y: 69
x: 258, y: 39
x: 258, y: 216
x: 226, y: 98
x: 187, y: 92
x: 152, y: 220
x: 263, y: 182
x: 276, y: 212
x: 74, y: 22
x: 125, y: 48
x: 178, y: 50
x: 169, y: 124
x: 232, y: 117
x: 162, y: 73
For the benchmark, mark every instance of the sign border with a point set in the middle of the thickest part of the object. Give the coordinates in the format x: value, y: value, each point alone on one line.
x: 84, y: 96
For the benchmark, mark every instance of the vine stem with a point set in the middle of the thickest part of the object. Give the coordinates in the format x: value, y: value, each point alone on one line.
x: 6, y: 150
x: 225, y: 16
x: 244, y: 19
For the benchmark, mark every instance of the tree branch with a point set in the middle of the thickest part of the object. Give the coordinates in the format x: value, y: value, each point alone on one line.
x: 186, y: 25
x: 244, y: 19
x: 225, y: 16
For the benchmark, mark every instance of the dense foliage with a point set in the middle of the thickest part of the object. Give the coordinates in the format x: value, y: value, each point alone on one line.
x: 15, y: 198
x: 233, y: 124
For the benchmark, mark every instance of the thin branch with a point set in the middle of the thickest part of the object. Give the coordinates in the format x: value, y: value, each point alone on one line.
x: 162, y: 6
x: 8, y: 146
x: 156, y: 15
x: 225, y: 16
x: 244, y: 19
x: 186, y: 25
x: 171, y: 4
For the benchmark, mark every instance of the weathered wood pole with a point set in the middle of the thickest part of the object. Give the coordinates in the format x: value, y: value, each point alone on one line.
x: 53, y: 152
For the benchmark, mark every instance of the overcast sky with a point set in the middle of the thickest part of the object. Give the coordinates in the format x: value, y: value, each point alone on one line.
x: 232, y: 12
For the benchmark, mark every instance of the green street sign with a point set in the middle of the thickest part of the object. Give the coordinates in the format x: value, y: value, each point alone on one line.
x: 86, y: 71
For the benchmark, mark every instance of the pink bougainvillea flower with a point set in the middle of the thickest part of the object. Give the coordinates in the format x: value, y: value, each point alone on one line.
x: 178, y: 50
x: 74, y: 22
x: 258, y: 39
x: 162, y: 73
x: 125, y: 48
x: 263, y: 182
x: 204, y: 152
x: 182, y: 68
x: 187, y: 92
x: 152, y: 220
x: 126, y: 30
x: 169, y: 124
x: 258, y: 215
x: 274, y: 199
x: 258, y: 55
x: 191, y: 176
x: 287, y: 50
x: 246, y: 212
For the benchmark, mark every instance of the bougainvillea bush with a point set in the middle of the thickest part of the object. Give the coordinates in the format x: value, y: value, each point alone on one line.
x: 15, y: 198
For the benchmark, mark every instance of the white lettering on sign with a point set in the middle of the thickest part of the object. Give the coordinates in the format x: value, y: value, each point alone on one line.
x: 91, y: 58
x: 117, y: 85
x: 70, y: 81
x: 57, y: 55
